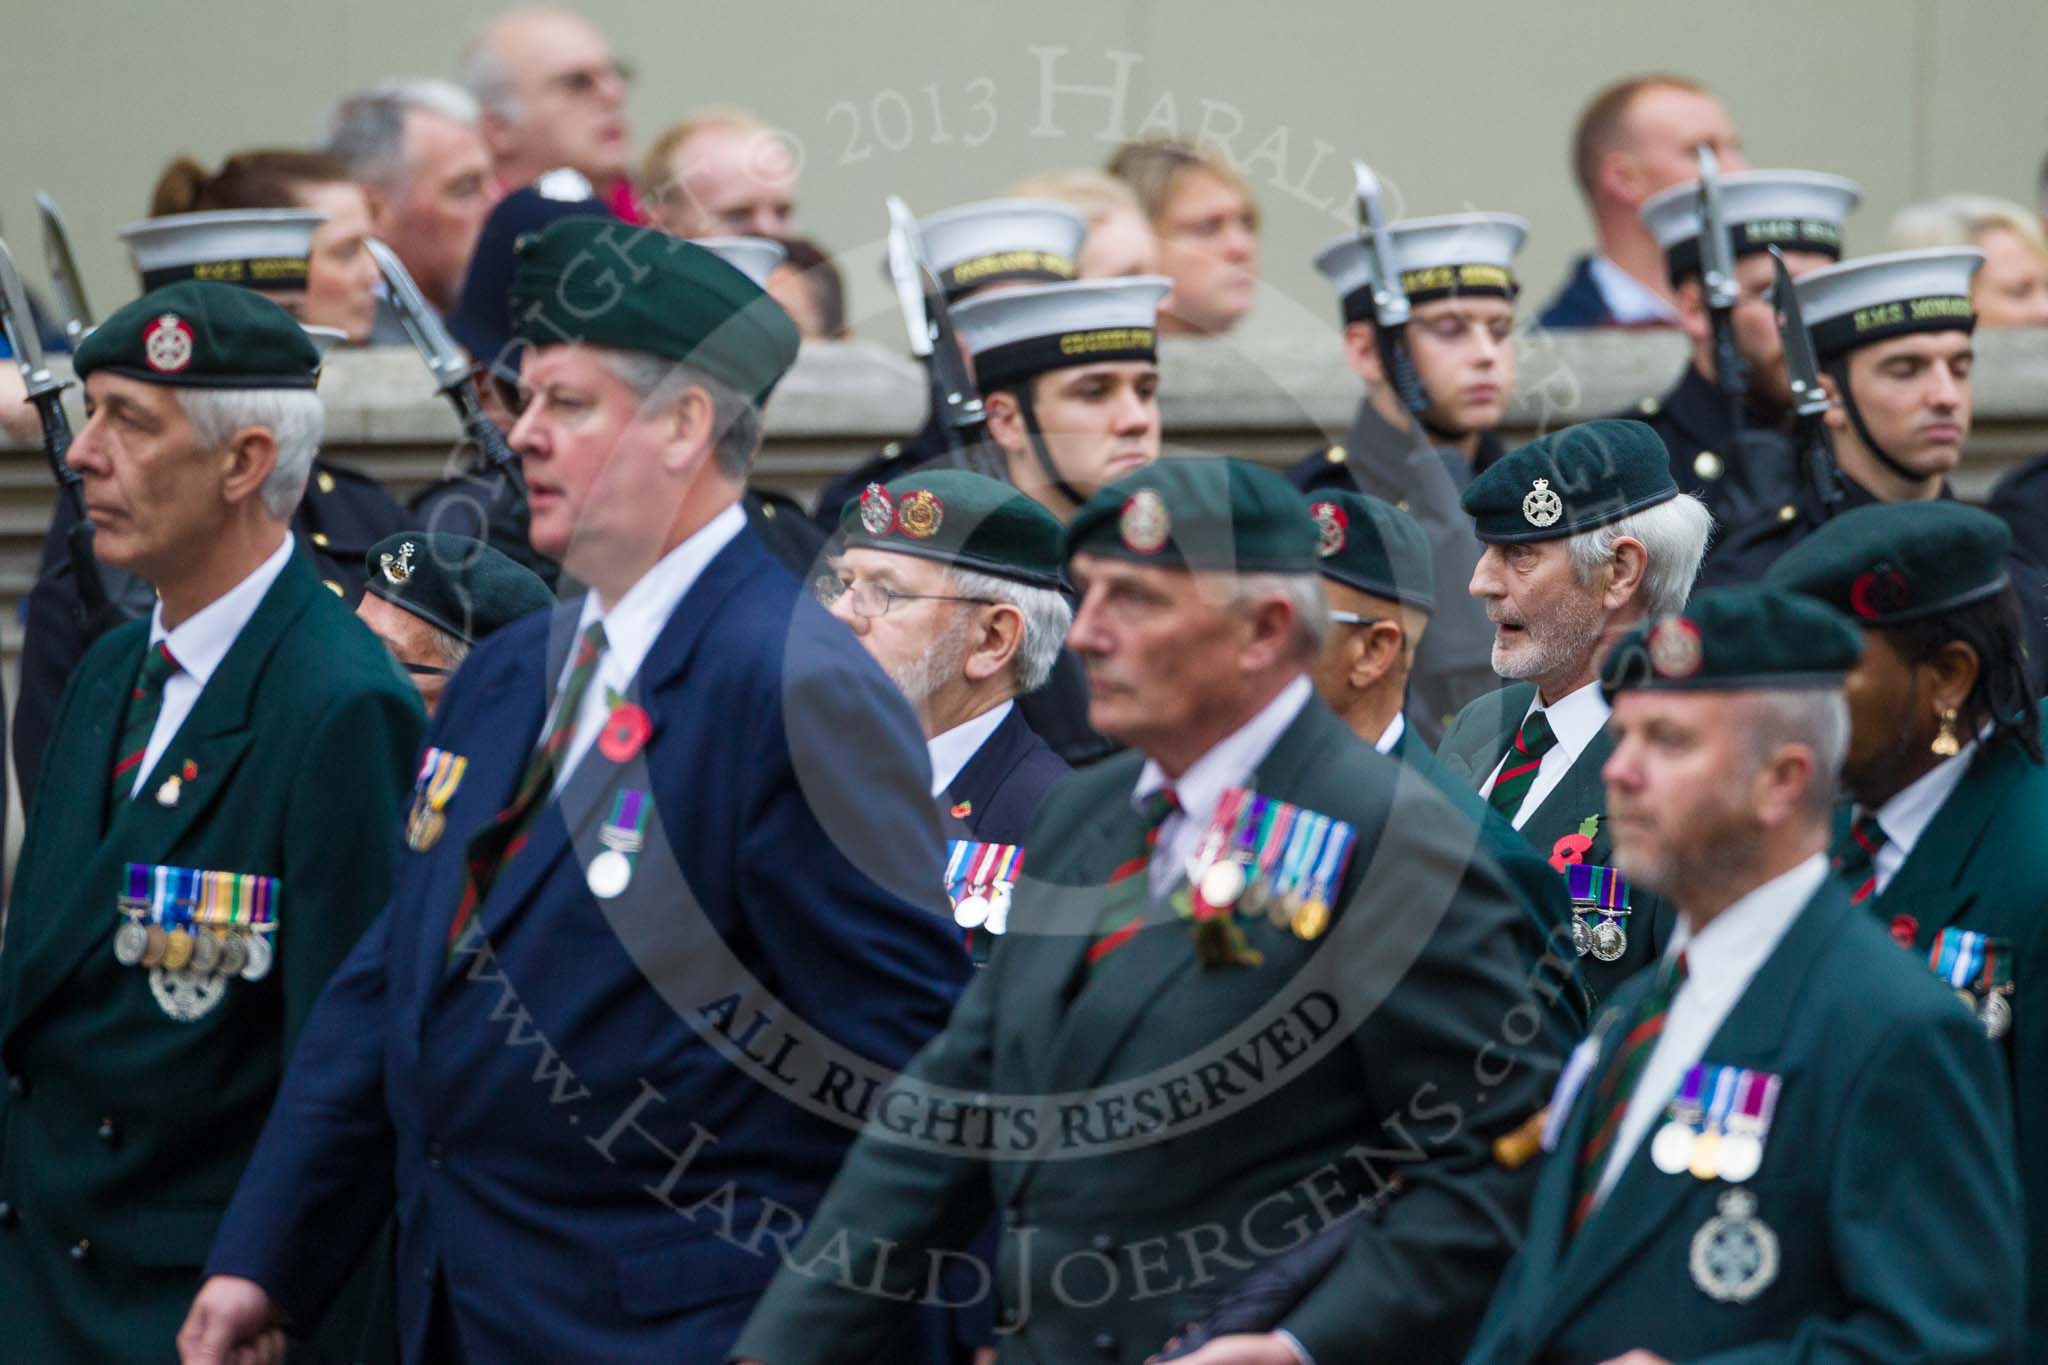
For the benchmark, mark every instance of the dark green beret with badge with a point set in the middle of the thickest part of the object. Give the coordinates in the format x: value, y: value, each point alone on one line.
x: 200, y: 335
x: 459, y: 585
x: 1373, y: 546
x: 1735, y: 640
x: 1199, y: 512
x: 960, y: 518
x: 1570, y: 481
x: 605, y: 283
x: 1895, y: 562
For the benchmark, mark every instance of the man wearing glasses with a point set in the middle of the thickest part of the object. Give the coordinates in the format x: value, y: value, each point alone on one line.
x: 430, y: 597
x: 553, y: 97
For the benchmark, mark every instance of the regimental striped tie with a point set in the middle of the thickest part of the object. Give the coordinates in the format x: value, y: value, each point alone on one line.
x: 1518, y: 771
x: 500, y: 841
x: 1123, y: 904
x: 138, y: 722
x: 1855, y: 857
x: 1610, y: 1100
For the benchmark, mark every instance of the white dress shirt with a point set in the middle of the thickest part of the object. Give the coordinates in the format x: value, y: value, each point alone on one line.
x: 950, y: 750
x: 1575, y: 719
x: 1912, y: 809
x: 632, y: 625
x: 1228, y: 764
x: 1628, y: 298
x: 199, y: 644
x: 1391, y: 736
x: 1720, y: 962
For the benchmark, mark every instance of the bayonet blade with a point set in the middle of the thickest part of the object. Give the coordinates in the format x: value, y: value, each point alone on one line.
x: 1802, y: 363
x: 65, y: 280
x: 1389, y: 299
x: 20, y: 326
x: 1717, y: 247
x: 445, y: 360
x: 906, y: 272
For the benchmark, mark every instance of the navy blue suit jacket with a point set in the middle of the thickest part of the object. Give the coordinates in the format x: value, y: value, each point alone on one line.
x: 580, y: 1111
x: 1002, y: 784
x: 1578, y: 302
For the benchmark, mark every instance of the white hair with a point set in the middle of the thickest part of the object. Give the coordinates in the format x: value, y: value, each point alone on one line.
x: 735, y: 419
x: 1674, y: 537
x: 485, y: 75
x: 1047, y: 618
x: 1815, y: 717
x: 294, y: 417
x: 366, y: 131
x: 1304, y: 593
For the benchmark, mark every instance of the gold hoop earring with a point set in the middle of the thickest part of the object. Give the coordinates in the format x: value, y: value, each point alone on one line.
x: 1945, y: 743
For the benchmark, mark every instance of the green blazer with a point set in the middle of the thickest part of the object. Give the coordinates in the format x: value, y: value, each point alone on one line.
x: 123, y: 1132
x: 1474, y: 746
x: 1887, y: 1187
x: 1982, y: 864
x: 1155, y: 1126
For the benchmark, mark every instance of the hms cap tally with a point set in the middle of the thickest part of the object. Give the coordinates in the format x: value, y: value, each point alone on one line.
x: 1001, y: 241
x: 1456, y: 254
x: 1019, y: 333
x: 266, y: 249
x: 1791, y: 210
x: 1877, y: 297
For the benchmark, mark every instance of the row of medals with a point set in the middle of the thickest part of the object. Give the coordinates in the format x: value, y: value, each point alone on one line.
x: 1708, y: 1154
x: 1993, y: 1008
x: 984, y: 907
x: 243, y: 952
x: 1227, y: 885
x: 1607, y: 940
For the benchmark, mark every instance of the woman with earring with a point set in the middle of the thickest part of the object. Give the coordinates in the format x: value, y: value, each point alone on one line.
x: 1944, y: 842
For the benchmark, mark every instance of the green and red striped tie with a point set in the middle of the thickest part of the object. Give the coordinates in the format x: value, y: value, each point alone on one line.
x: 1855, y: 857
x: 138, y: 722
x: 1518, y: 771
x: 496, y: 843
x: 1123, y: 907
x: 1610, y: 1101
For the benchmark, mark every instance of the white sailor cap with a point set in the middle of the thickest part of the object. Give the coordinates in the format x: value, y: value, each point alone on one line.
x: 754, y: 257
x: 1001, y: 241
x: 265, y: 249
x: 1019, y: 333
x: 1876, y: 297
x: 1791, y: 210
x: 1458, y: 253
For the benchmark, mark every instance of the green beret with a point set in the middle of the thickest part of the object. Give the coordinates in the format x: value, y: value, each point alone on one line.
x: 1373, y: 546
x: 1894, y: 562
x: 463, y: 586
x: 1570, y: 481
x: 1199, y: 512
x: 201, y: 335
x: 610, y: 284
x: 1733, y: 640
x: 958, y: 518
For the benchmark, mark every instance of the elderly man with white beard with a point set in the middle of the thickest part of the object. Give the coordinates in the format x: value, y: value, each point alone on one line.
x: 1585, y: 534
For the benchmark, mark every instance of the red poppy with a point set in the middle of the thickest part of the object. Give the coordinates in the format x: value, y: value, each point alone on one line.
x: 963, y: 810
x: 191, y: 770
x: 1572, y: 848
x: 624, y: 732
x: 1904, y: 930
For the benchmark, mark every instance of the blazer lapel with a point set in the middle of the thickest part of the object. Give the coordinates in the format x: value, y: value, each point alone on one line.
x: 984, y: 771
x: 1932, y: 885
x: 1752, y: 1036
x: 1492, y: 729
x: 1580, y: 793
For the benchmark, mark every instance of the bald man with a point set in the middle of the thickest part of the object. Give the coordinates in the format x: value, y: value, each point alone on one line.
x: 553, y: 96
x: 720, y: 173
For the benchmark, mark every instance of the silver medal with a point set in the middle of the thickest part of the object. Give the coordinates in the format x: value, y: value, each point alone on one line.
x: 1740, y: 1156
x: 609, y: 874
x: 1582, y: 937
x: 1610, y: 941
x: 1994, y: 1011
x: 260, y: 955
x: 1671, y: 1149
x: 234, y: 955
x: 1734, y: 1254
x: 999, y: 910
x: 1223, y: 883
x: 205, y: 952
x: 971, y: 911
x: 129, y: 941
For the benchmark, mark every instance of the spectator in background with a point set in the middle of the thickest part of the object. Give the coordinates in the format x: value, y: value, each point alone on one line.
x: 2011, y: 288
x: 720, y: 173
x: 553, y: 96
x: 416, y: 150
x: 1637, y: 137
x: 1208, y: 229
x: 1119, y: 241
x: 341, y: 279
x: 810, y: 289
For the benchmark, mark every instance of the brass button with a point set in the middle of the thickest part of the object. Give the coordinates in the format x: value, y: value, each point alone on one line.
x: 1335, y: 455
x: 80, y: 1249
x: 1648, y: 407
x: 892, y: 450
x: 320, y: 539
x: 106, y: 1130
x: 325, y: 482
x: 1787, y: 512
x: 1708, y: 465
x: 768, y: 510
x: 335, y: 587
x: 1402, y: 505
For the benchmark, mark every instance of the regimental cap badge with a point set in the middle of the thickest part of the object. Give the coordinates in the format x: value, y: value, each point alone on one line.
x: 877, y: 513
x: 1675, y: 650
x: 1734, y: 1254
x: 1880, y: 591
x: 920, y: 514
x: 397, y: 568
x: 1331, y: 528
x: 167, y: 344
x: 1542, y: 507
x: 1144, y: 523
